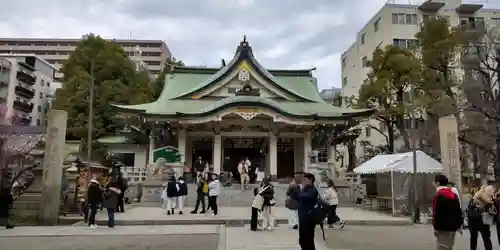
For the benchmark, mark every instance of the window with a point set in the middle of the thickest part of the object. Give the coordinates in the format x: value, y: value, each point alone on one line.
x: 368, y: 131
x: 376, y: 25
x: 41, y: 95
x: 344, y: 81
x: 402, y: 18
x: 405, y: 43
x: 364, y: 61
x: 344, y: 62
x: 39, y: 108
x: 128, y: 159
x: 42, y: 83
x: 363, y: 36
x: 495, y: 21
x: 38, y: 122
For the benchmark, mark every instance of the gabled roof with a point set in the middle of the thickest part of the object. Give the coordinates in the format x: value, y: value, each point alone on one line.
x: 244, y: 54
x: 179, y: 97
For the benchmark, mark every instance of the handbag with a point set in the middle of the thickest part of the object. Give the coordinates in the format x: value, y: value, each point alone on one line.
x: 487, y: 218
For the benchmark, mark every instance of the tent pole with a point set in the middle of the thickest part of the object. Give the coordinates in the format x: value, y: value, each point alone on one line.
x: 392, y: 193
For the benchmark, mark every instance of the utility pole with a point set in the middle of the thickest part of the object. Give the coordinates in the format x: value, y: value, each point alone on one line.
x: 91, y: 112
x: 416, y: 210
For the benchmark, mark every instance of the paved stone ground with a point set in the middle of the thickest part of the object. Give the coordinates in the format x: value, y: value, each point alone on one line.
x: 419, y: 237
x: 241, y: 238
x: 155, y: 242
x: 136, y: 237
x: 232, y: 215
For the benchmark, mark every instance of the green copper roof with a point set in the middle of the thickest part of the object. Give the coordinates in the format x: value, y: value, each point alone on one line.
x: 176, y: 99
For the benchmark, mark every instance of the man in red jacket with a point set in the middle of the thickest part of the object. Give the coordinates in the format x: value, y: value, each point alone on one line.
x: 447, y: 215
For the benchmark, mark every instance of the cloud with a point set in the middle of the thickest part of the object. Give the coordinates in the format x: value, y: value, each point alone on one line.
x: 283, y: 34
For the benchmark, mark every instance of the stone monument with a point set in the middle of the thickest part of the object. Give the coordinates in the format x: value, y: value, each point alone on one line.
x: 53, y: 166
x: 158, y: 173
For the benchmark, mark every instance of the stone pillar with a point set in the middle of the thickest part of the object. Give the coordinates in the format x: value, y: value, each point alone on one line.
x: 189, y: 152
x: 52, y: 167
x: 307, y: 150
x: 332, y: 160
x: 151, y: 148
x: 182, y: 137
x: 217, y: 154
x: 273, y: 156
x: 298, y: 162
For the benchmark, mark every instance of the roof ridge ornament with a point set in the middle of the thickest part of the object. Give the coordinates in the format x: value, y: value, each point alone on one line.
x: 247, y: 90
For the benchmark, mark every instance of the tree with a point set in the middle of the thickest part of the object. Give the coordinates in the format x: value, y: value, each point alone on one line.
x: 116, y: 80
x: 159, y: 83
x: 16, y: 164
x: 480, y: 58
x: 438, y: 47
x: 393, y: 70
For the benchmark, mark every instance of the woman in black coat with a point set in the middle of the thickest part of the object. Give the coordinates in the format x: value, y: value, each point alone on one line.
x: 267, y: 192
x: 6, y: 201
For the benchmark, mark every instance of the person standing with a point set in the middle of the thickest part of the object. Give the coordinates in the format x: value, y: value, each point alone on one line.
x: 292, y: 204
x: 201, y: 192
x: 256, y: 207
x: 213, y: 193
x: 6, y: 201
x: 331, y: 197
x: 172, y: 193
x: 122, y: 185
x: 480, y: 216
x: 243, y: 171
x: 199, y: 166
x: 497, y: 216
x: 446, y: 213
x: 183, y: 192
x: 111, y: 197
x: 94, y: 199
x: 267, y: 192
x: 307, y: 198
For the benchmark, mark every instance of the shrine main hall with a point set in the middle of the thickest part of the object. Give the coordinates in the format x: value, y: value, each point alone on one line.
x: 242, y: 110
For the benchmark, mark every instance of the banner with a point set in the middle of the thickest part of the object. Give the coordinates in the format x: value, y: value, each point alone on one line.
x: 450, y: 152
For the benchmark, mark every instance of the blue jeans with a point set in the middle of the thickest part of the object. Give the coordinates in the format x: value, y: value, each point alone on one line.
x: 111, y: 217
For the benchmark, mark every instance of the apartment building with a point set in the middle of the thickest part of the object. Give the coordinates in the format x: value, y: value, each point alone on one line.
x: 56, y: 51
x: 397, y: 24
x: 25, y: 87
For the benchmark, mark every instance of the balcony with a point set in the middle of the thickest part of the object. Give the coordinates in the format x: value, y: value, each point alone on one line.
x: 24, y: 91
x: 25, y: 77
x: 23, y: 106
x: 477, y: 28
x: 431, y: 6
x: 26, y: 66
x: 468, y: 8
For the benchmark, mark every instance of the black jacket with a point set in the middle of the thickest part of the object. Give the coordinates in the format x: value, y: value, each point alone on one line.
x: 292, y: 202
x: 183, y: 189
x: 199, y: 188
x: 447, y: 214
x: 268, y: 195
x: 94, y: 194
x: 172, y: 189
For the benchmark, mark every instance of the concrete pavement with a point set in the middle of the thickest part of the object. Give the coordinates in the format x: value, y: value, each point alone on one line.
x: 231, y: 216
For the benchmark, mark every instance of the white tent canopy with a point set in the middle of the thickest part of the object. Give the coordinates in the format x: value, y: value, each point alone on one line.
x: 402, y: 163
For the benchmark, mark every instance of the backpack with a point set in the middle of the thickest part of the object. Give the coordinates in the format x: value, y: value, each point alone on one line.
x: 205, y: 188
x: 319, y: 214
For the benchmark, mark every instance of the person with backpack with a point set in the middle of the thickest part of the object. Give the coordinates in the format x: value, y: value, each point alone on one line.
x: 111, y: 196
x: 447, y: 216
x: 182, y: 193
x: 201, y: 192
x: 172, y: 193
x: 308, y: 198
x: 480, y: 216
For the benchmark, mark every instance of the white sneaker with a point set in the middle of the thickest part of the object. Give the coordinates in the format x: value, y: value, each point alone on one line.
x: 93, y: 226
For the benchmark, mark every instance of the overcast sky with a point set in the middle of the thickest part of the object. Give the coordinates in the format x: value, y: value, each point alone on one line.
x: 283, y: 33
